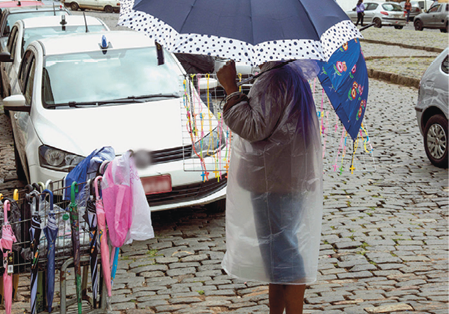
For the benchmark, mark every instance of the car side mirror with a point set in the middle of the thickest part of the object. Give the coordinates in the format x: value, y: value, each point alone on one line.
x: 16, y: 103
x: 203, y: 83
x: 5, y: 57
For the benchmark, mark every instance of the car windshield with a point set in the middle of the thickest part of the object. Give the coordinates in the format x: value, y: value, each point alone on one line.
x: 32, y: 34
x: 14, y: 17
x: 392, y: 7
x: 89, y: 77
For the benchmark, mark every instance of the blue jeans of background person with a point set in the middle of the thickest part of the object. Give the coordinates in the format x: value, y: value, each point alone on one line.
x: 277, y: 219
x: 408, y: 15
x: 359, y: 18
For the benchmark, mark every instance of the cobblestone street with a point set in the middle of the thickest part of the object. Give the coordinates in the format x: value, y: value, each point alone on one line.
x: 384, y: 244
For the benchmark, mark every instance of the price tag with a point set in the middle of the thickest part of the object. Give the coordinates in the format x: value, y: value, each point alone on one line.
x: 10, y: 261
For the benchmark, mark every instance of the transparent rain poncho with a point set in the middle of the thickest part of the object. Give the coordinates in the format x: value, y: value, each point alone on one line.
x: 275, y: 191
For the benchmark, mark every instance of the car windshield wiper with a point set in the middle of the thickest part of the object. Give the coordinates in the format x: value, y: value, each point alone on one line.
x: 76, y: 104
x: 172, y: 95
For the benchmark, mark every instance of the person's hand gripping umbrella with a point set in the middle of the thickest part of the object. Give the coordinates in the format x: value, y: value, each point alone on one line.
x: 101, y: 216
x: 6, y: 242
x: 35, y: 234
x: 74, y: 223
x: 51, y: 233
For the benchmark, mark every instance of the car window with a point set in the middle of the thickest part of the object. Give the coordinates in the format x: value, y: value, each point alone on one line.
x: 372, y: 6
x: 24, y: 69
x: 14, y: 17
x: 391, y: 7
x: 434, y: 8
x: 117, y: 74
x: 12, y: 40
x: 447, y: 7
x: 29, y: 82
x: 445, y: 65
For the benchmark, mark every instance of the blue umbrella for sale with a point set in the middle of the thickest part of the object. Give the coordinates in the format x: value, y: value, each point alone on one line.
x: 51, y: 233
x: 35, y: 233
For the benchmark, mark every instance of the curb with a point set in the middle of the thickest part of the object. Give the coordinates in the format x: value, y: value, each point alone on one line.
x: 433, y: 49
x: 393, y: 78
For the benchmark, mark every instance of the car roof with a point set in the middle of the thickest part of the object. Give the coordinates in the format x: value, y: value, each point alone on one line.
x: 77, y: 43
x: 45, y: 8
x: 50, y: 21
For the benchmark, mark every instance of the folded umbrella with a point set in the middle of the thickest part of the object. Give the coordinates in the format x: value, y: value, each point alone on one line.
x: 104, y: 248
x: 35, y: 234
x: 74, y: 223
x: 51, y: 233
x: 6, y: 242
x: 91, y: 217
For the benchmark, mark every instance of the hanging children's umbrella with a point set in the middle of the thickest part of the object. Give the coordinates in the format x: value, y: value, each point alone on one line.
x: 6, y: 242
x: 35, y: 234
x: 74, y: 223
x: 91, y: 217
x: 51, y: 233
x: 101, y: 216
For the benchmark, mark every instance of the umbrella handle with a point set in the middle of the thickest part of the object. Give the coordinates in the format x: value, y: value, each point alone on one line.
x: 6, y: 208
x: 73, y: 191
x: 49, y: 184
x: 51, y: 197
x: 16, y: 195
x: 35, y: 196
x: 97, y: 195
x: 42, y: 185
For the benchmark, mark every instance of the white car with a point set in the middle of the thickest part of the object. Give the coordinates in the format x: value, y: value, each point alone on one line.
x: 25, y: 31
x: 432, y: 111
x: 244, y: 70
x: 109, y: 6
x: 381, y: 14
x: 80, y: 92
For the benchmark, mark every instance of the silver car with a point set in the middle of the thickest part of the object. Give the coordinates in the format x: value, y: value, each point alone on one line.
x: 432, y: 110
x: 381, y: 14
x: 416, y: 8
x: 435, y: 17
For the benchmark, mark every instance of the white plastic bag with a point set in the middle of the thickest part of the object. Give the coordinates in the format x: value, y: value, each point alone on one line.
x: 141, y: 227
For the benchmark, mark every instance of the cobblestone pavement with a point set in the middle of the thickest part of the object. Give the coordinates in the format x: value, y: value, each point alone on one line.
x: 384, y: 245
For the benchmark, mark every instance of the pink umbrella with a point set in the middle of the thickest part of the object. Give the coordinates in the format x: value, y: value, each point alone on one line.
x: 104, y: 248
x: 6, y: 242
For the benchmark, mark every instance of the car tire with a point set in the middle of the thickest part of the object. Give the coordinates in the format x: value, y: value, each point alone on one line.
x: 398, y: 27
x: 19, y: 168
x: 74, y: 6
x: 436, y: 140
x: 418, y: 25
x: 218, y: 206
x: 377, y: 22
x: 444, y: 30
x: 108, y: 9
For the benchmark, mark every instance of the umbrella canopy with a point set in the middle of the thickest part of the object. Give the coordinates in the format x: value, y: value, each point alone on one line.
x: 6, y: 242
x: 51, y: 233
x: 74, y: 223
x: 91, y: 217
x: 35, y: 234
x: 345, y: 79
x: 252, y: 31
x: 104, y: 248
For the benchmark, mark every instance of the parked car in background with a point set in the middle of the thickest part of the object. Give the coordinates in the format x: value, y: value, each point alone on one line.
x: 435, y: 17
x: 80, y: 92
x: 381, y: 14
x: 109, y: 6
x: 416, y: 9
x: 432, y: 110
x: 25, y: 31
x: 242, y: 68
x: 9, y: 16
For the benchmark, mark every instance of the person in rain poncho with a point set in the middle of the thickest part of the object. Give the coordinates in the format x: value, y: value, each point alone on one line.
x: 275, y: 194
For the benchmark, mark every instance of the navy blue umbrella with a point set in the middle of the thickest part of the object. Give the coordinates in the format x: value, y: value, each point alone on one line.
x: 51, y: 233
x: 253, y: 31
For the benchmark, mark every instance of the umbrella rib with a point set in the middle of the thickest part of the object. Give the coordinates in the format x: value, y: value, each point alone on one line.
x: 187, y: 17
x: 313, y: 25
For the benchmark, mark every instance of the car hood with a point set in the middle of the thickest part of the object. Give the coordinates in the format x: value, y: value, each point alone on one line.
x: 152, y: 126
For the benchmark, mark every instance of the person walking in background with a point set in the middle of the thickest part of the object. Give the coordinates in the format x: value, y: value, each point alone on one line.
x: 408, y: 9
x: 360, y: 9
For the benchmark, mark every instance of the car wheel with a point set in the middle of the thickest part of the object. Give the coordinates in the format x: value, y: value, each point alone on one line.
x: 377, y: 22
x: 19, y: 168
x: 436, y: 140
x: 443, y: 30
x: 108, y: 9
x: 418, y: 25
x: 398, y: 27
x: 74, y: 6
x: 219, y: 206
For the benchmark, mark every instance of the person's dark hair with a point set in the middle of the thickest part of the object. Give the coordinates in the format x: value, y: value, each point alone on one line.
x: 359, y: 2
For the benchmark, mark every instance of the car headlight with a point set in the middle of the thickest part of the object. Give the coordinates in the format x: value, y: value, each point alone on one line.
x: 209, y: 144
x: 56, y: 159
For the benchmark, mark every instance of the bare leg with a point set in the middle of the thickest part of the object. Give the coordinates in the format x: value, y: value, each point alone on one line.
x: 276, y: 296
x: 294, y: 298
